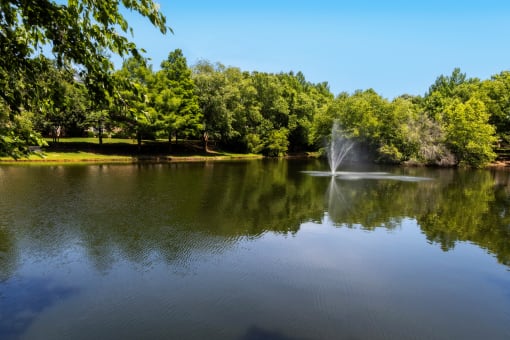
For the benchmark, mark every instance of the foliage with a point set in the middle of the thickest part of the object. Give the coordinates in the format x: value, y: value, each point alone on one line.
x: 276, y: 143
x: 468, y: 134
x: 135, y: 114
x: 60, y: 102
x: 219, y: 99
x: 258, y: 112
x: 459, y: 121
x: 81, y: 33
x: 175, y: 100
x: 457, y: 105
x: 496, y: 96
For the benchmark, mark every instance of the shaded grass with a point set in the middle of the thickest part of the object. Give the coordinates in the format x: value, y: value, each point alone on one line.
x: 85, y: 150
x: 93, y: 140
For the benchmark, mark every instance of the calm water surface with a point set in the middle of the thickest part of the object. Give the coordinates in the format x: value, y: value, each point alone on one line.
x: 253, y: 250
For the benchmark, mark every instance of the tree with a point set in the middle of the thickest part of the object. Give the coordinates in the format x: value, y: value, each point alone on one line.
x: 400, y: 135
x: 458, y: 106
x: 247, y: 115
x: 217, y: 99
x: 175, y: 99
x: 60, y: 100
x: 304, y: 100
x: 447, y: 84
x: 81, y: 33
x: 497, y: 101
x: 468, y: 133
x: 136, y: 112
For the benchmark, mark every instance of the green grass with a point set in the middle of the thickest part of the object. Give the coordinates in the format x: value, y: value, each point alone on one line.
x: 78, y: 156
x: 90, y: 157
x: 93, y: 140
x: 116, y: 150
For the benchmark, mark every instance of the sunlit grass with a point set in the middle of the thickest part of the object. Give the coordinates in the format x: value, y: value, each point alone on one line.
x: 93, y: 140
x: 78, y: 156
x: 85, y: 150
x: 85, y: 157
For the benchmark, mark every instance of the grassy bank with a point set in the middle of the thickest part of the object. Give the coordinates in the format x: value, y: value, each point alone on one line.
x: 84, y: 150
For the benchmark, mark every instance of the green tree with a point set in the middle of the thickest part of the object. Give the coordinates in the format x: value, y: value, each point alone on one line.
x: 218, y: 97
x: 81, y: 33
x: 324, y: 119
x: 175, y: 99
x: 276, y: 143
x: 447, y: 84
x: 457, y: 105
x: 468, y: 133
x: 304, y: 100
x: 361, y: 115
x: 247, y: 116
x: 497, y: 101
x: 136, y: 114
x: 400, y: 135
x: 60, y: 102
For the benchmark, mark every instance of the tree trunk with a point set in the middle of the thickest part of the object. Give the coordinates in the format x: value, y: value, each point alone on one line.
x: 100, y: 129
x: 55, y: 132
x: 205, y: 139
x: 139, y: 141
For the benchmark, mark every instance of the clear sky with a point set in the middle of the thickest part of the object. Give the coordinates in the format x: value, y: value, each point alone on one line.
x: 394, y: 46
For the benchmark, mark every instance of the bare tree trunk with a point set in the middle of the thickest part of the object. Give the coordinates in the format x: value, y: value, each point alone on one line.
x: 100, y: 130
x: 205, y: 140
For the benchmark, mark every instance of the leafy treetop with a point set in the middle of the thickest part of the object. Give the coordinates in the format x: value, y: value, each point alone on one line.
x: 82, y: 33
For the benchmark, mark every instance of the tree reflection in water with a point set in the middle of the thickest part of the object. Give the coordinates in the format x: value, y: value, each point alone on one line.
x: 159, y: 223
x: 134, y: 212
x: 460, y: 205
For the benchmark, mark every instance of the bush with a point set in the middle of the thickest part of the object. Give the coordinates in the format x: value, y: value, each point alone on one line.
x: 389, y: 154
x: 276, y: 143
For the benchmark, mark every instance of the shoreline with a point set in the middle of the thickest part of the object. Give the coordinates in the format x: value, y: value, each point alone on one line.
x: 91, y: 158
x: 128, y: 159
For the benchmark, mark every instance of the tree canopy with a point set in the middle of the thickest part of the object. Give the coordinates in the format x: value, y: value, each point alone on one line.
x: 57, y: 78
x: 80, y: 34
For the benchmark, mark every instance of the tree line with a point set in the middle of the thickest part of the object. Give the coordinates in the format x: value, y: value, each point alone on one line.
x: 459, y: 121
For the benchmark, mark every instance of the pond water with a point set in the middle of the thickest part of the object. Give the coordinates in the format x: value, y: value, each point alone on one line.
x: 253, y: 250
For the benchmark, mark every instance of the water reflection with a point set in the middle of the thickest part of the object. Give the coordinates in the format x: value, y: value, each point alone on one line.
x: 137, y: 212
x: 240, y: 246
x: 22, y: 301
x: 8, y: 254
x: 457, y: 206
x: 258, y: 333
x: 364, y: 175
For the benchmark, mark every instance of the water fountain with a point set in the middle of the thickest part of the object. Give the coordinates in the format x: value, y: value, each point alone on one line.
x: 338, y: 147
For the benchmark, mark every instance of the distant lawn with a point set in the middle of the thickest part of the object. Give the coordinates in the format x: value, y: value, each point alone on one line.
x: 113, y: 150
x: 88, y: 157
x: 72, y: 157
x: 93, y: 140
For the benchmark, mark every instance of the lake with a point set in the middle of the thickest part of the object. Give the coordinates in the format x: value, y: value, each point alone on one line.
x: 253, y: 250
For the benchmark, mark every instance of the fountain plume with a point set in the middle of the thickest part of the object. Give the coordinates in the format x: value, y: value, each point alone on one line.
x: 338, y: 147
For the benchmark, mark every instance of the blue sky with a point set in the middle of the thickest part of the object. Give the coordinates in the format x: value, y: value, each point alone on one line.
x: 394, y: 47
